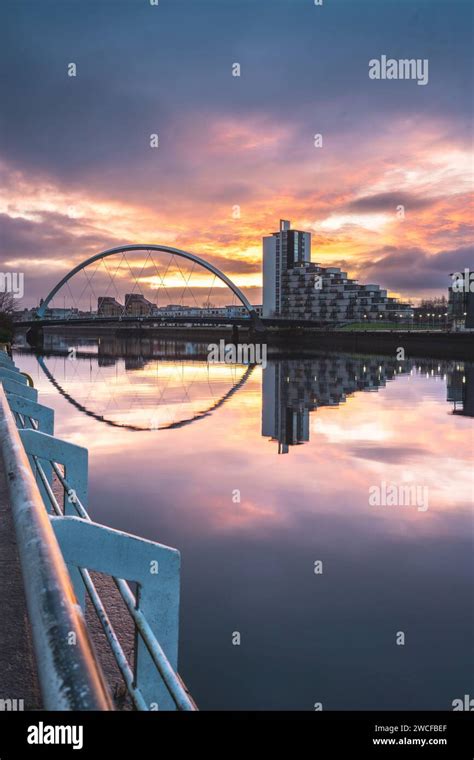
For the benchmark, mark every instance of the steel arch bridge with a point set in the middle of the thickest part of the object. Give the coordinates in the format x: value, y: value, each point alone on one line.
x: 147, y: 248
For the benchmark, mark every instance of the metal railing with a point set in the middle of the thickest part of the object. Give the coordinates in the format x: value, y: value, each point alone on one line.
x: 68, y: 544
x: 69, y: 676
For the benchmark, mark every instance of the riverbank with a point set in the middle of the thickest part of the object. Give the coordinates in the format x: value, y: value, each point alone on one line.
x: 436, y: 345
x: 300, y: 340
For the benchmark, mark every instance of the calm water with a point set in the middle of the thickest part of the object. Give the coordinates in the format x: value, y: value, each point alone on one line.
x: 173, y: 443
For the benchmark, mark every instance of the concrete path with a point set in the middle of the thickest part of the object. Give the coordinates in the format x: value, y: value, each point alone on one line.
x: 18, y: 680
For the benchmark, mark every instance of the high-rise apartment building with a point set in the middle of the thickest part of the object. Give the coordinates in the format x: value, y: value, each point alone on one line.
x: 281, y: 251
x: 296, y: 288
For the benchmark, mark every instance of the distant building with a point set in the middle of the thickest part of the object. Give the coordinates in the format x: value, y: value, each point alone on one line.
x: 178, y: 310
x: 240, y: 311
x: 107, y: 306
x: 296, y: 288
x: 26, y: 314
x: 136, y: 305
x: 461, y: 304
x: 57, y: 313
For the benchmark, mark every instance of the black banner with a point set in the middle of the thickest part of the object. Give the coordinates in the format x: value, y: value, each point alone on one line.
x: 374, y: 734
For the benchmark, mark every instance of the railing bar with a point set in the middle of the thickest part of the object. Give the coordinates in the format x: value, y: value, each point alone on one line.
x: 116, y: 647
x: 80, y: 509
x: 170, y: 678
x: 49, y: 491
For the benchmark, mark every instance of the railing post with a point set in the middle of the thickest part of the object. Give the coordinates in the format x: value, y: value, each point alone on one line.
x: 155, y: 568
x: 42, y: 415
x: 75, y: 462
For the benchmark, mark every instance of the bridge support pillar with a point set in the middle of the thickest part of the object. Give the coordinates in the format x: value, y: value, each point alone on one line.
x: 35, y: 336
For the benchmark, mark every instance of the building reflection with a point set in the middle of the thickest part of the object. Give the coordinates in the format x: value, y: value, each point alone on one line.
x: 134, y: 349
x: 460, y: 388
x: 293, y: 388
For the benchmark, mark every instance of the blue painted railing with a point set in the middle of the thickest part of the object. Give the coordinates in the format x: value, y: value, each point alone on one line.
x: 38, y: 466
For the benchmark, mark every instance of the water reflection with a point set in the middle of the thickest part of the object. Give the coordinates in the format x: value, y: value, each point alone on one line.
x: 247, y: 565
x: 292, y: 388
x: 140, y: 385
x: 151, y: 384
x: 460, y: 384
x: 155, y: 421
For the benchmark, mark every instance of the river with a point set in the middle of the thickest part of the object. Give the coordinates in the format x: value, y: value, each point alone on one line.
x: 303, y: 583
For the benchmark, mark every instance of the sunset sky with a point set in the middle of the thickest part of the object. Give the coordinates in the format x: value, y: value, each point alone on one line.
x: 78, y: 175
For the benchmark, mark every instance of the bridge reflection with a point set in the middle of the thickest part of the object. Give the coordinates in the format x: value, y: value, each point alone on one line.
x: 168, y: 388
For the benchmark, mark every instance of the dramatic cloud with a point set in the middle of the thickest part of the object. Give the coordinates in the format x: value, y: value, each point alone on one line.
x: 388, y: 202
x: 78, y: 175
x: 415, y: 271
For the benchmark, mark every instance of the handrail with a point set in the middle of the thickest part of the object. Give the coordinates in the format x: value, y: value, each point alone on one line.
x: 74, y: 682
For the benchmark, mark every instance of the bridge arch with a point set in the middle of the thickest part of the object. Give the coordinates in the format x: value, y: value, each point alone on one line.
x: 143, y: 247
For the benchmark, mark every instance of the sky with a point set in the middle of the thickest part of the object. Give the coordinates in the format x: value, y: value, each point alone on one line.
x: 236, y: 153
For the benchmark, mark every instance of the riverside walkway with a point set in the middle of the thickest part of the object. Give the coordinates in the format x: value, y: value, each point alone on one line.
x: 18, y: 680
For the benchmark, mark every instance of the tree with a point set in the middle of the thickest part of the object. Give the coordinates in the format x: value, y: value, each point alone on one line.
x: 8, y: 310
